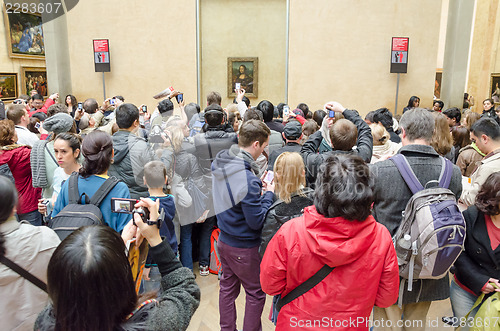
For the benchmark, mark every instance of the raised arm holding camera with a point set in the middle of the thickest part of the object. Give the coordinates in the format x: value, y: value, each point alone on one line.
x: 103, y: 268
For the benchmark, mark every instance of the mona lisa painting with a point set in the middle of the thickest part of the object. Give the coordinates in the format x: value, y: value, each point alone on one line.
x: 242, y: 72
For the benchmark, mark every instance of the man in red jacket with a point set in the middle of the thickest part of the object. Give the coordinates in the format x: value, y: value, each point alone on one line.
x: 338, y: 231
x: 39, y: 105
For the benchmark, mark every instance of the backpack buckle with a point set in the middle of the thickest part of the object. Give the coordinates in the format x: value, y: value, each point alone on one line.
x: 414, y: 248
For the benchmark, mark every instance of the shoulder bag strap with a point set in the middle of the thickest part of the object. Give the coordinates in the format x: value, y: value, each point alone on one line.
x: 24, y: 273
x: 52, y: 156
x: 407, y: 173
x: 103, y: 191
x: 73, y: 194
x: 446, y: 173
x: 305, y: 286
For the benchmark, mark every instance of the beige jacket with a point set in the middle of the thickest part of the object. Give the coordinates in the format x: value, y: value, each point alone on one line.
x: 102, y: 124
x: 30, y: 247
x: 489, y: 165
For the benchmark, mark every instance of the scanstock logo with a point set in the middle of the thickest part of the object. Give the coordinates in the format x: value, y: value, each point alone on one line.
x: 47, y: 9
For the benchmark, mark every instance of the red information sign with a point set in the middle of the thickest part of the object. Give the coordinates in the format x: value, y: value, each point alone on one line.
x: 101, y: 45
x: 101, y: 55
x: 400, y: 44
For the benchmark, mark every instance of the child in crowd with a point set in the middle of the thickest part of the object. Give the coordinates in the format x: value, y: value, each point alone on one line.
x: 155, y: 178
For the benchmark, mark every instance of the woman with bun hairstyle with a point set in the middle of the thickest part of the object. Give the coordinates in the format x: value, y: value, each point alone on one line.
x: 383, y: 146
x: 97, y: 150
x: 30, y: 247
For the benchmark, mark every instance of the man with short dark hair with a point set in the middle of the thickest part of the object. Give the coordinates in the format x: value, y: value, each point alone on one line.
x: 391, y: 196
x: 21, y: 119
x: 131, y: 153
x: 486, y: 134
x: 344, y: 135
x: 384, y: 117
x: 39, y: 105
x: 292, y: 133
x: 241, y: 209
x: 453, y: 115
x: 267, y: 110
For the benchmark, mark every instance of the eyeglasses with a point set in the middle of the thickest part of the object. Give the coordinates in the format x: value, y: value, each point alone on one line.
x: 18, y: 102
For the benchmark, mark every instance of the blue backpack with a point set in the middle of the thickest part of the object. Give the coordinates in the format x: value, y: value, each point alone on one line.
x: 431, y: 235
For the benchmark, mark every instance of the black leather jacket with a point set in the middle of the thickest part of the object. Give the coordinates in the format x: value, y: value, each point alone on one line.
x: 280, y: 212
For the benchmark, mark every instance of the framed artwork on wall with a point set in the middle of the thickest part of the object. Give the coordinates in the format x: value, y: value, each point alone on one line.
x: 495, y: 88
x: 242, y: 71
x: 34, y: 78
x: 437, y: 83
x: 24, y: 34
x: 8, y: 86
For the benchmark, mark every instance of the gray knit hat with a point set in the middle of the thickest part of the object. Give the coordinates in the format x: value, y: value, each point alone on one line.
x: 58, y: 123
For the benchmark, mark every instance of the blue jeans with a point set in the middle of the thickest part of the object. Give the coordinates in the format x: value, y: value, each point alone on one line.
x: 186, y: 246
x: 34, y: 217
x: 461, y: 303
x: 154, y: 284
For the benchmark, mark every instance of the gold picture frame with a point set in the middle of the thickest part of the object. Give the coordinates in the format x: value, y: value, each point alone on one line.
x: 243, y: 70
x: 495, y: 88
x: 8, y: 86
x: 24, y: 35
x: 34, y: 78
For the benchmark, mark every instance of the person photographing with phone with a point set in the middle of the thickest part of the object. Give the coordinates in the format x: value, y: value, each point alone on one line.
x: 242, y: 203
x: 344, y: 135
x: 103, y: 268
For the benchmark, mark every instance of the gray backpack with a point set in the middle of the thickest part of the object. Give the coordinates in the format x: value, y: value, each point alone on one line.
x: 431, y: 235
x: 80, y: 212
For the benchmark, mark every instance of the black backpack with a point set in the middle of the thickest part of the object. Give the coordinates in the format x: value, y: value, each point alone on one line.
x: 76, y: 214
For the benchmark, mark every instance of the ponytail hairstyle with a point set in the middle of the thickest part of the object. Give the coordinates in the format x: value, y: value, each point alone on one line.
x: 8, y: 195
x: 97, y: 150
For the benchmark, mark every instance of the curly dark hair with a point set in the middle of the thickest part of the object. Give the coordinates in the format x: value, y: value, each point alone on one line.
x: 344, y: 188
x: 488, y: 198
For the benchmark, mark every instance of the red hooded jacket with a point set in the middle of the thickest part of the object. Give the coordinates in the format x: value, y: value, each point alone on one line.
x: 366, y: 271
x: 18, y: 159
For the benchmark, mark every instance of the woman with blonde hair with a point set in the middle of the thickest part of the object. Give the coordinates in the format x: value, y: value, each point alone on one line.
x: 293, y: 196
x: 442, y: 141
x: 184, y: 170
x: 383, y: 147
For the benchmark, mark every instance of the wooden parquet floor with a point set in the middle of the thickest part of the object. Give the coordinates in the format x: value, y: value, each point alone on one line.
x: 206, y: 317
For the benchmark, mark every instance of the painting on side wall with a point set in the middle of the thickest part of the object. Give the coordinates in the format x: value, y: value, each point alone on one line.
x: 8, y: 86
x: 437, y: 84
x: 242, y: 72
x: 495, y: 88
x: 34, y: 78
x: 24, y: 35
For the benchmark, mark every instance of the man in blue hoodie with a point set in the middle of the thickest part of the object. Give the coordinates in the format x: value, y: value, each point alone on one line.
x: 241, y: 209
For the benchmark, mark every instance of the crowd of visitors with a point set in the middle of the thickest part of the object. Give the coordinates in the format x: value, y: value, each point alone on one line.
x: 296, y: 204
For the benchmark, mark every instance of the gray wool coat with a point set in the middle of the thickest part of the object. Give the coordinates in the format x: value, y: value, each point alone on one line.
x: 391, y: 197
